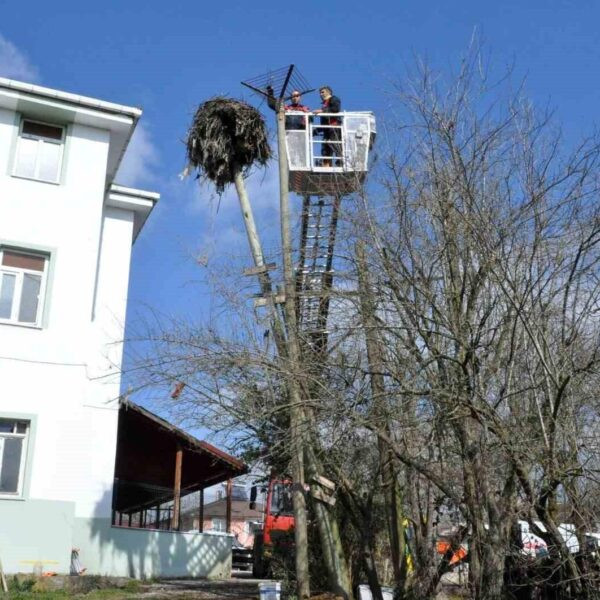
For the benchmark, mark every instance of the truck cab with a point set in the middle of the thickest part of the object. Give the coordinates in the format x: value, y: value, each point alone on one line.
x: 278, y: 522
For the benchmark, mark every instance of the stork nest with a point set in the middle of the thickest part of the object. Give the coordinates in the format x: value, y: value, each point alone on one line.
x: 227, y: 136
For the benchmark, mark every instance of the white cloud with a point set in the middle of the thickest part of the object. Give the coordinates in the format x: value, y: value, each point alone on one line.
x: 139, y: 165
x: 14, y: 64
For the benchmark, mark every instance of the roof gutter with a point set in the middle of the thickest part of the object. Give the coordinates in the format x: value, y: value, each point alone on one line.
x: 84, y: 101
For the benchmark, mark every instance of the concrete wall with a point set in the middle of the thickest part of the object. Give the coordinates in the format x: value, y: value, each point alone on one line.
x: 36, y: 530
x: 144, y: 553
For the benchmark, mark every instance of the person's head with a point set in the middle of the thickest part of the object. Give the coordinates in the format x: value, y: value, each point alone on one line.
x: 325, y: 92
x: 296, y: 97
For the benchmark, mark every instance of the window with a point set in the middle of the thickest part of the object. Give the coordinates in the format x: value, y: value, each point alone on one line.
x: 22, y: 279
x: 218, y: 524
x: 281, y: 499
x: 39, y: 151
x: 13, y: 450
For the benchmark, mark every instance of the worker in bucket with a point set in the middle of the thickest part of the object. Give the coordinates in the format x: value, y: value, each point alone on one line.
x: 291, y: 121
x: 333, y: 131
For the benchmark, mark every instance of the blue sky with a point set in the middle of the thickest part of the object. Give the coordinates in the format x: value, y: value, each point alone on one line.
x: 168, y: 56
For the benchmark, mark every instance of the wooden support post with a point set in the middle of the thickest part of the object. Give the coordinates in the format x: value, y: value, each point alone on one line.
x: 120, y: 519
x: 201, y: 513
x: 228, y: 506
x: 129, y: 520
x: 157, y: 520
x: 3, y: 579
x: 177, y: 489
x: 261, y: 269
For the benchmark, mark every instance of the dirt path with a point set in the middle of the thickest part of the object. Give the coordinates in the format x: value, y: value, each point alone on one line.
x: 231, y: 589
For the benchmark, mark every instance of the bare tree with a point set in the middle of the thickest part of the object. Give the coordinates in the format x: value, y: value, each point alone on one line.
x: 460, y: 378
x: 485, y: 256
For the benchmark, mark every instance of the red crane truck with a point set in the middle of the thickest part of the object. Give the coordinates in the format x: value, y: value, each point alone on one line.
x: 278, y: 522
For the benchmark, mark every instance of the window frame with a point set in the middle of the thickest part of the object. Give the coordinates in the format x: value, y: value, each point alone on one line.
x: 19, y: 493
x: 222, y: 523
x: 41, y: 141
x: 20, y: 273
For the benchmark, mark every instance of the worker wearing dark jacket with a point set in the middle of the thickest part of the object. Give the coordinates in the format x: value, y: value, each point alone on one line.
x: 332, y: 133
x: 291, y: 121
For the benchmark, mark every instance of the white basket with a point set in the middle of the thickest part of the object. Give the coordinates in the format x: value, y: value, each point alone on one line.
x: 270, y: 590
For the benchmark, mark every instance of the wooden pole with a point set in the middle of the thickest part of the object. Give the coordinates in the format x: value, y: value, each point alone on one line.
x: 3, y: 579
x: 264, y: 279
x: 228, y: 506
x: 177, y: 489
x: 248, y: 216
x: 201, y: 512
x: 293, y: 356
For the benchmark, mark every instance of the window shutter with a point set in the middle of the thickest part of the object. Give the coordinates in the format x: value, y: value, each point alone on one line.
x: 23, y: 261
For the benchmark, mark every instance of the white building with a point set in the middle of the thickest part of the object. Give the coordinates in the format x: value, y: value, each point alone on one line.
x: 66, y: 231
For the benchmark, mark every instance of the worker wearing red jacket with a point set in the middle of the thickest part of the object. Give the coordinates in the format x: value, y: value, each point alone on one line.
x: 291, y: 121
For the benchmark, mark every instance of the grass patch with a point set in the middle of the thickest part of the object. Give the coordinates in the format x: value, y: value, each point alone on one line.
x: 88, y: 588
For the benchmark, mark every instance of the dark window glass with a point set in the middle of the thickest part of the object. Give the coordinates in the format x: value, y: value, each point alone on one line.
x: 281, y: 499
x: 30, y: 295
x: 41, y: 130
x: 6, y: 426
x: 11, y: 465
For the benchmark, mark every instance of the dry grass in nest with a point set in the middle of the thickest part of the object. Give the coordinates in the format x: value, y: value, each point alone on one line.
x: 227, y: 136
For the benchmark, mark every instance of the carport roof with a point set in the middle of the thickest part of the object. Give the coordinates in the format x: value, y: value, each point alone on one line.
x: 145, y: 461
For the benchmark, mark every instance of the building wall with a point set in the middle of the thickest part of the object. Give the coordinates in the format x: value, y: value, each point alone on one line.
x: 144, y: 553
x: 64, y: 376
x: 36, y: 531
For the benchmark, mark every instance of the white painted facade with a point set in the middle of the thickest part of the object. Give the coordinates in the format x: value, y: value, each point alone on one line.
x: 61, y: 376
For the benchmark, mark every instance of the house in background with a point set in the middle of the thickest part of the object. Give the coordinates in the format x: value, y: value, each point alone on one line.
x: 243, y: 520
x: 66, y: 232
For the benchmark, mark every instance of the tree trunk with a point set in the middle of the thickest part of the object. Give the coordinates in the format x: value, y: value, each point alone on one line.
x: 375, y: 354
x: 331, y: 541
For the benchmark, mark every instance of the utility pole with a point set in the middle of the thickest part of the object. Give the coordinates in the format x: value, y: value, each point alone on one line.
x: 293, y: 360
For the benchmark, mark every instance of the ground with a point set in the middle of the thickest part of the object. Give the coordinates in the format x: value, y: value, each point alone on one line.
x: 92, y: 588
x: 234, y: 589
